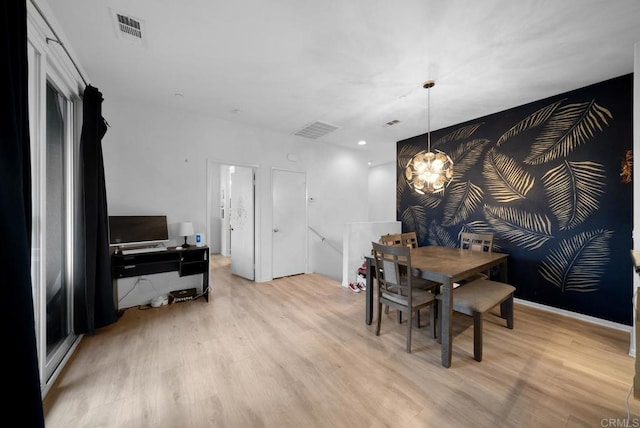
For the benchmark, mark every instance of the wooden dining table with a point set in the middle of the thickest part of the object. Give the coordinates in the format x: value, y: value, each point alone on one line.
x: 447, y: 266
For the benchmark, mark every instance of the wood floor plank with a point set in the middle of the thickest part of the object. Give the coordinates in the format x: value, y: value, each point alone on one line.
x: 295, y: 352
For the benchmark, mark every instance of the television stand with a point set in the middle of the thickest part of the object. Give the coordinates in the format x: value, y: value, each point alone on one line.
x: 188, y: 261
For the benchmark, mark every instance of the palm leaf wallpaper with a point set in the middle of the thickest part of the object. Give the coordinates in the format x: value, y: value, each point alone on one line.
x: 466, y: 155
x: 529, y: 122
x: 574, y: 263
x: 506, y: 179
x: 415, y: 218
x: 463, y: 200
x: 439, y: 235
x: 569, y: 127
x: 545, y: 179
x: 573, y: 190
x: 528, y: 230
x: 459, y: 134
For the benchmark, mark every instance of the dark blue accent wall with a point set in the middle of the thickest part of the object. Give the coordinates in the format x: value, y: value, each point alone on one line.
x: 551, y: 180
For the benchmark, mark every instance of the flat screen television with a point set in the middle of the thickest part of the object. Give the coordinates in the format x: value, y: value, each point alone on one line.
x: 130, y: 230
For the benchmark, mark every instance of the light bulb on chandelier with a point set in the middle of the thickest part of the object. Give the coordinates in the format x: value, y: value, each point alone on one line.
x: 427, y: 171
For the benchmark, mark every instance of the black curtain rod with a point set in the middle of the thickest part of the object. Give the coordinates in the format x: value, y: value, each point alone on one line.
x: 58, y: 41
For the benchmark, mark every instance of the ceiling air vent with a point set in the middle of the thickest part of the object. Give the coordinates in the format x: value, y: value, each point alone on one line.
x: 391, y: 122
x: 128, y: 28
x: 316, y: 129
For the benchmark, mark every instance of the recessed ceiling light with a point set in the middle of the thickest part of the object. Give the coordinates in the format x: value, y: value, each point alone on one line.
x: 362, y: 143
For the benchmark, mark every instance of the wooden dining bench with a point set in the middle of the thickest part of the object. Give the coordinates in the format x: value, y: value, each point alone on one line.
x: 475, y: 299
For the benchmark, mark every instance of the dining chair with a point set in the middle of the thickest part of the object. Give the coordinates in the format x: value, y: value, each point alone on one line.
x: 401, y: 291
x: 391, y: 239
x: 409, y: 239
x: 479, y: 294
x: 476, y: 242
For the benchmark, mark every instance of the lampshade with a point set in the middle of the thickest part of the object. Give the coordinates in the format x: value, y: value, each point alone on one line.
x: 185, y: 229
x: 427, y: 171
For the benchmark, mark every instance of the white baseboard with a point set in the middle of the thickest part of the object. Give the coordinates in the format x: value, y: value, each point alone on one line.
x: 587, y: 318
x: 593, y: 320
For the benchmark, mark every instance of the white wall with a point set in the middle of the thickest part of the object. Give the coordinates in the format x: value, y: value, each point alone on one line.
x: 337, y: 188
x: 382, y: 192
x: 155, y: 163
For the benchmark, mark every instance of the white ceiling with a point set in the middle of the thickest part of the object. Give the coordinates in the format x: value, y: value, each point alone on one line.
x: 356, y: 64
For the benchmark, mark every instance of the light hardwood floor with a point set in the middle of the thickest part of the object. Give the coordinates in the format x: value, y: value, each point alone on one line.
x: 295, y: 352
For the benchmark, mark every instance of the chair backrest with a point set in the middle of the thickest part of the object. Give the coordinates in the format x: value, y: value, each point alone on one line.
x: 390, y: 262
x: 476, y: 241
x: 409, y: 239
x: 391, y: 239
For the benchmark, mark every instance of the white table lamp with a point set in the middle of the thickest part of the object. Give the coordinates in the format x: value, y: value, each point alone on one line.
x: 185, y: 229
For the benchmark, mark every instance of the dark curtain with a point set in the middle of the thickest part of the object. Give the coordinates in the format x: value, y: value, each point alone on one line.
x: 22, y: 383
x: 94, y: 301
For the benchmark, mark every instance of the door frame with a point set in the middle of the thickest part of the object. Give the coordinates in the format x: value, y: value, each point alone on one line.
x: 46, y: 64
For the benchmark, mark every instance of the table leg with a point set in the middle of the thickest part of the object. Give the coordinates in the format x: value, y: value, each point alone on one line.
x: 446, y: 332
x: 503, y: 272
x: 369, y: 293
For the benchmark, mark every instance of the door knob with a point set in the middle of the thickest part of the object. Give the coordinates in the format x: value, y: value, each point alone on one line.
x: 276, y: 230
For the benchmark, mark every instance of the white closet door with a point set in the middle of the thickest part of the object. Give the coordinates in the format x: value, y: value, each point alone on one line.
x: 289, y: 223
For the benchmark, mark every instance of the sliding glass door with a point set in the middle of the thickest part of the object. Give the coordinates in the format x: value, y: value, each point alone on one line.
x: 52, y: 117
x: 55, y: 108
x: 56, y: 226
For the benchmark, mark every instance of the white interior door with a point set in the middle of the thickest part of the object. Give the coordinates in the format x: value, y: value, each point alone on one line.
x: 241, y: 222
x: 289, y: 223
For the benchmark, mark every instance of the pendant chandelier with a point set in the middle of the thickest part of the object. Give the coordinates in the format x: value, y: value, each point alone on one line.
x: 427, y: 171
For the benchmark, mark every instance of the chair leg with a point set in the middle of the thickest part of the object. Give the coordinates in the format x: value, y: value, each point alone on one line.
x: 418, y: 319
x: 379, y: 319
x: 432, y: 320
x: 477, y: 336
x: 439, y: 322
x: 409, y: 312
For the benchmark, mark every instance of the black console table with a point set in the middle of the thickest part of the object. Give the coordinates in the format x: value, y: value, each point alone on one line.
x: 187, y: 261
